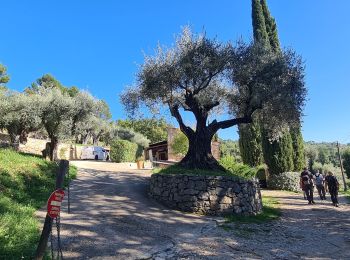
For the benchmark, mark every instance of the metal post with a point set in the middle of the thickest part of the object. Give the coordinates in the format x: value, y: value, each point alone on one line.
x: 68, y: 191
x: 40, y: 251
x: 341, y: 167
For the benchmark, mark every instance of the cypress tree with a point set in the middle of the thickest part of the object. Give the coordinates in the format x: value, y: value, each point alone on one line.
x: 297, y: 138
x: 298, y: 149
x: 271, y: 27
x: 278, y: 155
x: 250, y: 144
x: 259, y: 27
x: 250, y: 135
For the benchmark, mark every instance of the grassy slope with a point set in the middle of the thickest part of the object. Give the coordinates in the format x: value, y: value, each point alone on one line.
x: 26, y: 181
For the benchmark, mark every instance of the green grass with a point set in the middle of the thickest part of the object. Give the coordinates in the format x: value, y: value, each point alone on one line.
x: 346, y: 193
x: 26, y: 181
x: 175, y: 169
x: 270, y: 212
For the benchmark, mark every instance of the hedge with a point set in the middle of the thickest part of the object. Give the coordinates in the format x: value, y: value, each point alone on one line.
x: 123, y: 151
x: 284, y: 181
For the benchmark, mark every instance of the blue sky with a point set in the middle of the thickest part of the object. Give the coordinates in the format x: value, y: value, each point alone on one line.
x: 96, y: 45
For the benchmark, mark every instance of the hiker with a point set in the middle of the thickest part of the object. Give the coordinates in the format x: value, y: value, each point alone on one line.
x: 319, y: 181
x: 332, y: 186
x: 306, y: 184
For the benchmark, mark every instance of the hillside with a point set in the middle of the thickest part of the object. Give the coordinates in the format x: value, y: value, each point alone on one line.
x: 26, y: 181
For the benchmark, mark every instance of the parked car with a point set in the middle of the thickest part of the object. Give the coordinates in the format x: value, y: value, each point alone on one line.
x: 93, y: 153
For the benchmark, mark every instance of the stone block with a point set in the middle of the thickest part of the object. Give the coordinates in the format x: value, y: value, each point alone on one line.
x: 225, y: 200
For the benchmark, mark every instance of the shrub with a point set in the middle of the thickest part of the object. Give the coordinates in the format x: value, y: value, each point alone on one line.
x: 346, y: 162
x: 180, y: 144
x: 123, y: 151
x: 239, y: 169
x: 261, y: 172
x: 284, y: 181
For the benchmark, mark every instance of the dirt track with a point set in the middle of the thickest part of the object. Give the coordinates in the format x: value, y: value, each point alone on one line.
x: 113, y: 218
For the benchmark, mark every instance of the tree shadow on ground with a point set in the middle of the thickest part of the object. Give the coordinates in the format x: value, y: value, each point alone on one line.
x: 112, y: 216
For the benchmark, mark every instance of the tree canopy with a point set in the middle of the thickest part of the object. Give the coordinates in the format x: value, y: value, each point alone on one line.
x: 200, y: 74
x: 4, y: 77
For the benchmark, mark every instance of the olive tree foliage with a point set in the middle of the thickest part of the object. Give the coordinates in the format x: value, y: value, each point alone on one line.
x: 93, y: 121
x: 56, y: 112
x: 4, y: 78
x: 116, y: 132
x: 154, y: 129
x: 85, y: 105
x: 201, y: 75
x: 19, y: 115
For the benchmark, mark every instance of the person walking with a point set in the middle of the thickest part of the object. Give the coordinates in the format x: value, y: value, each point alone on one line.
x: 307, y: 185
x: 319, y: 181
x: 332, y: 185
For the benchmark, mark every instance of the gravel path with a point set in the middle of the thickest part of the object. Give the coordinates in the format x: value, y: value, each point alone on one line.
x: 112, y: 218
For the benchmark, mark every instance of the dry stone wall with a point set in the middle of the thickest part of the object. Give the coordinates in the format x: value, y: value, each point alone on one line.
x: 209, y: 195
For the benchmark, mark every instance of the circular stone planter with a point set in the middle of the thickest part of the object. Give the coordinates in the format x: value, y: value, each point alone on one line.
x: 209, y: 195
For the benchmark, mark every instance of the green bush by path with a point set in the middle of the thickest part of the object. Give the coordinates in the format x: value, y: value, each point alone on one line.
x: 26, y: 182
x: 123, y: 151
x: 239, y: 169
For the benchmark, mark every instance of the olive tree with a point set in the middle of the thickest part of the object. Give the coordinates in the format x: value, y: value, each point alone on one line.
x: 19, y: 115
x: 56, y: 112
x: 84, y: 104
x: 203, y: 76
x: 91, y: 120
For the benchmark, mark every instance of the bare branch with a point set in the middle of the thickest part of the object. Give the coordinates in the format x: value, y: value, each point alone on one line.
x: 208, y: 107
x: 174, y: 110
x: 215, y: 126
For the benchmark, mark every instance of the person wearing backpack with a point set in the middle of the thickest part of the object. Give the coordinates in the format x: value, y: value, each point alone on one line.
x: 319, y: 181
x: 306, y: 183
x: 332, y: 185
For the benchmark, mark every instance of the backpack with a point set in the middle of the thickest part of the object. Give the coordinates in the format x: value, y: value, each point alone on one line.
x: 319, y: 179
x: 306, y: 180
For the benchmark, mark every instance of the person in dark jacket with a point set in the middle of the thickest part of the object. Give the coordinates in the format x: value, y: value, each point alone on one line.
x: 307, y: 185
x: 332, y: 186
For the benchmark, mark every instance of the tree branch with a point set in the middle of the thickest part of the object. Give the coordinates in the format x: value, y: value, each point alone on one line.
x: 211, y: 106
x: 215, y: 126
x: 174, y: 110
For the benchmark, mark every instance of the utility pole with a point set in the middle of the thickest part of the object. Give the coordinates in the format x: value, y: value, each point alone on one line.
x: 341, y: 167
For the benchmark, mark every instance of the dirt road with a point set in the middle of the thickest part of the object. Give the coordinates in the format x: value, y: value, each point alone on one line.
x: 113, y: 218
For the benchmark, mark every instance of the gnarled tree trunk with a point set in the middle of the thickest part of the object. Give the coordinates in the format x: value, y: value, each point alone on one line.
x: 199, y: 155
x: 53, y: 148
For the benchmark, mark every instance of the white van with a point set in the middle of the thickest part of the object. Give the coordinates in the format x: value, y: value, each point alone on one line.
x: 93, y: 153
